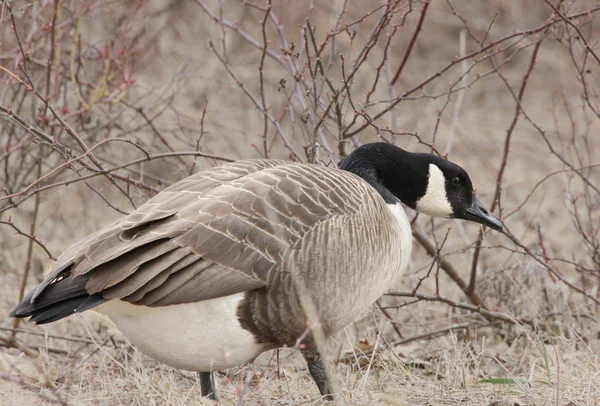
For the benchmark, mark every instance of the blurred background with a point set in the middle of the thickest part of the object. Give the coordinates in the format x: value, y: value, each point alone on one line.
x: 105, y: 103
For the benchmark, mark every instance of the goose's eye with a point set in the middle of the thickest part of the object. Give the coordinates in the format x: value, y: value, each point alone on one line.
x: 456, y: 181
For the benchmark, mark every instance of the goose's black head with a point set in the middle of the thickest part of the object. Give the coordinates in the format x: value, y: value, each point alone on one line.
x: 424, y: 182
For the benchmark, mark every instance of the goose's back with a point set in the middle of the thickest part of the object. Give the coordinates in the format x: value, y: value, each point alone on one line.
x: 218, y: 232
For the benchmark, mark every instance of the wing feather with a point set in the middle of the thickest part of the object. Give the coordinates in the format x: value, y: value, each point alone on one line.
x: 139, y: 292
x: 221, y: 231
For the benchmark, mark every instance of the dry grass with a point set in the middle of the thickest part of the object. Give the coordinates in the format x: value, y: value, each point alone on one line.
x: 450, y: 370
x: 472, y: 361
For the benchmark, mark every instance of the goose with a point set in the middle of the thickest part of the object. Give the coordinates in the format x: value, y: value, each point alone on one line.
x: 255, y: 255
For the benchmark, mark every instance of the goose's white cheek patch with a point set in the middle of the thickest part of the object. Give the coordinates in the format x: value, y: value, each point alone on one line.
x: 435, y: 201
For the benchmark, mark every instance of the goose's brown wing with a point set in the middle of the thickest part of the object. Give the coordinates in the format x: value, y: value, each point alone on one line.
x: 213, y: 234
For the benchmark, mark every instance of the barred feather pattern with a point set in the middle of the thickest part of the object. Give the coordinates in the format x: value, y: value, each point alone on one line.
x: 290, y: 236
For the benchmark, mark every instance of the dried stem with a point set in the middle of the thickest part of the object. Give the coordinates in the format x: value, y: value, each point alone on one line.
x: 412, y: 42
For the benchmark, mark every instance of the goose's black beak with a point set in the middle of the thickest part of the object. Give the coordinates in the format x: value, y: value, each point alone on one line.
x: 479, y: 214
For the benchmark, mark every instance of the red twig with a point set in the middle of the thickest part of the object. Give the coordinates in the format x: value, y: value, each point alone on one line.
x: 569, y: 22
x: 412, y: 42
x: 261, y: 80
x: 507, y: 140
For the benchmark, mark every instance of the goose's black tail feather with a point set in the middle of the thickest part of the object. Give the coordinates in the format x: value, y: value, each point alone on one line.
x: 61, y: 298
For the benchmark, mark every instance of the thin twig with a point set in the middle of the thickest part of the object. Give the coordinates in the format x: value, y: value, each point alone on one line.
x: 261, y: 80
x: 412, y: 42
x: 488, y: 314
x: 504, y: 162
x: 449, y: 269
x: 13, y: 343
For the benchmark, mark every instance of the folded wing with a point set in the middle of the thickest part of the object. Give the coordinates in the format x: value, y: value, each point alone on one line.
x: 216, y: 233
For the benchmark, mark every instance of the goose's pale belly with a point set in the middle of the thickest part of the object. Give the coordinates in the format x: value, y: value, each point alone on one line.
x: 201, y: 336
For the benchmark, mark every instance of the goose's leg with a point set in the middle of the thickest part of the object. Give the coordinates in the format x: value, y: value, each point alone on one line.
x: 316, y: 367
x: 207, y: 385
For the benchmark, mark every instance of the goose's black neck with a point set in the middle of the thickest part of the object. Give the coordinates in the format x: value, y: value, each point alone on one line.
x: 392, y: 171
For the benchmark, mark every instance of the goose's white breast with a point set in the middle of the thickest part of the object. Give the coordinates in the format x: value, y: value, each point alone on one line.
x: 405, y: 233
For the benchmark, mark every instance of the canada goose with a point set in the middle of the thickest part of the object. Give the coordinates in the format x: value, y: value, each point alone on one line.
x: 225, y: 264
